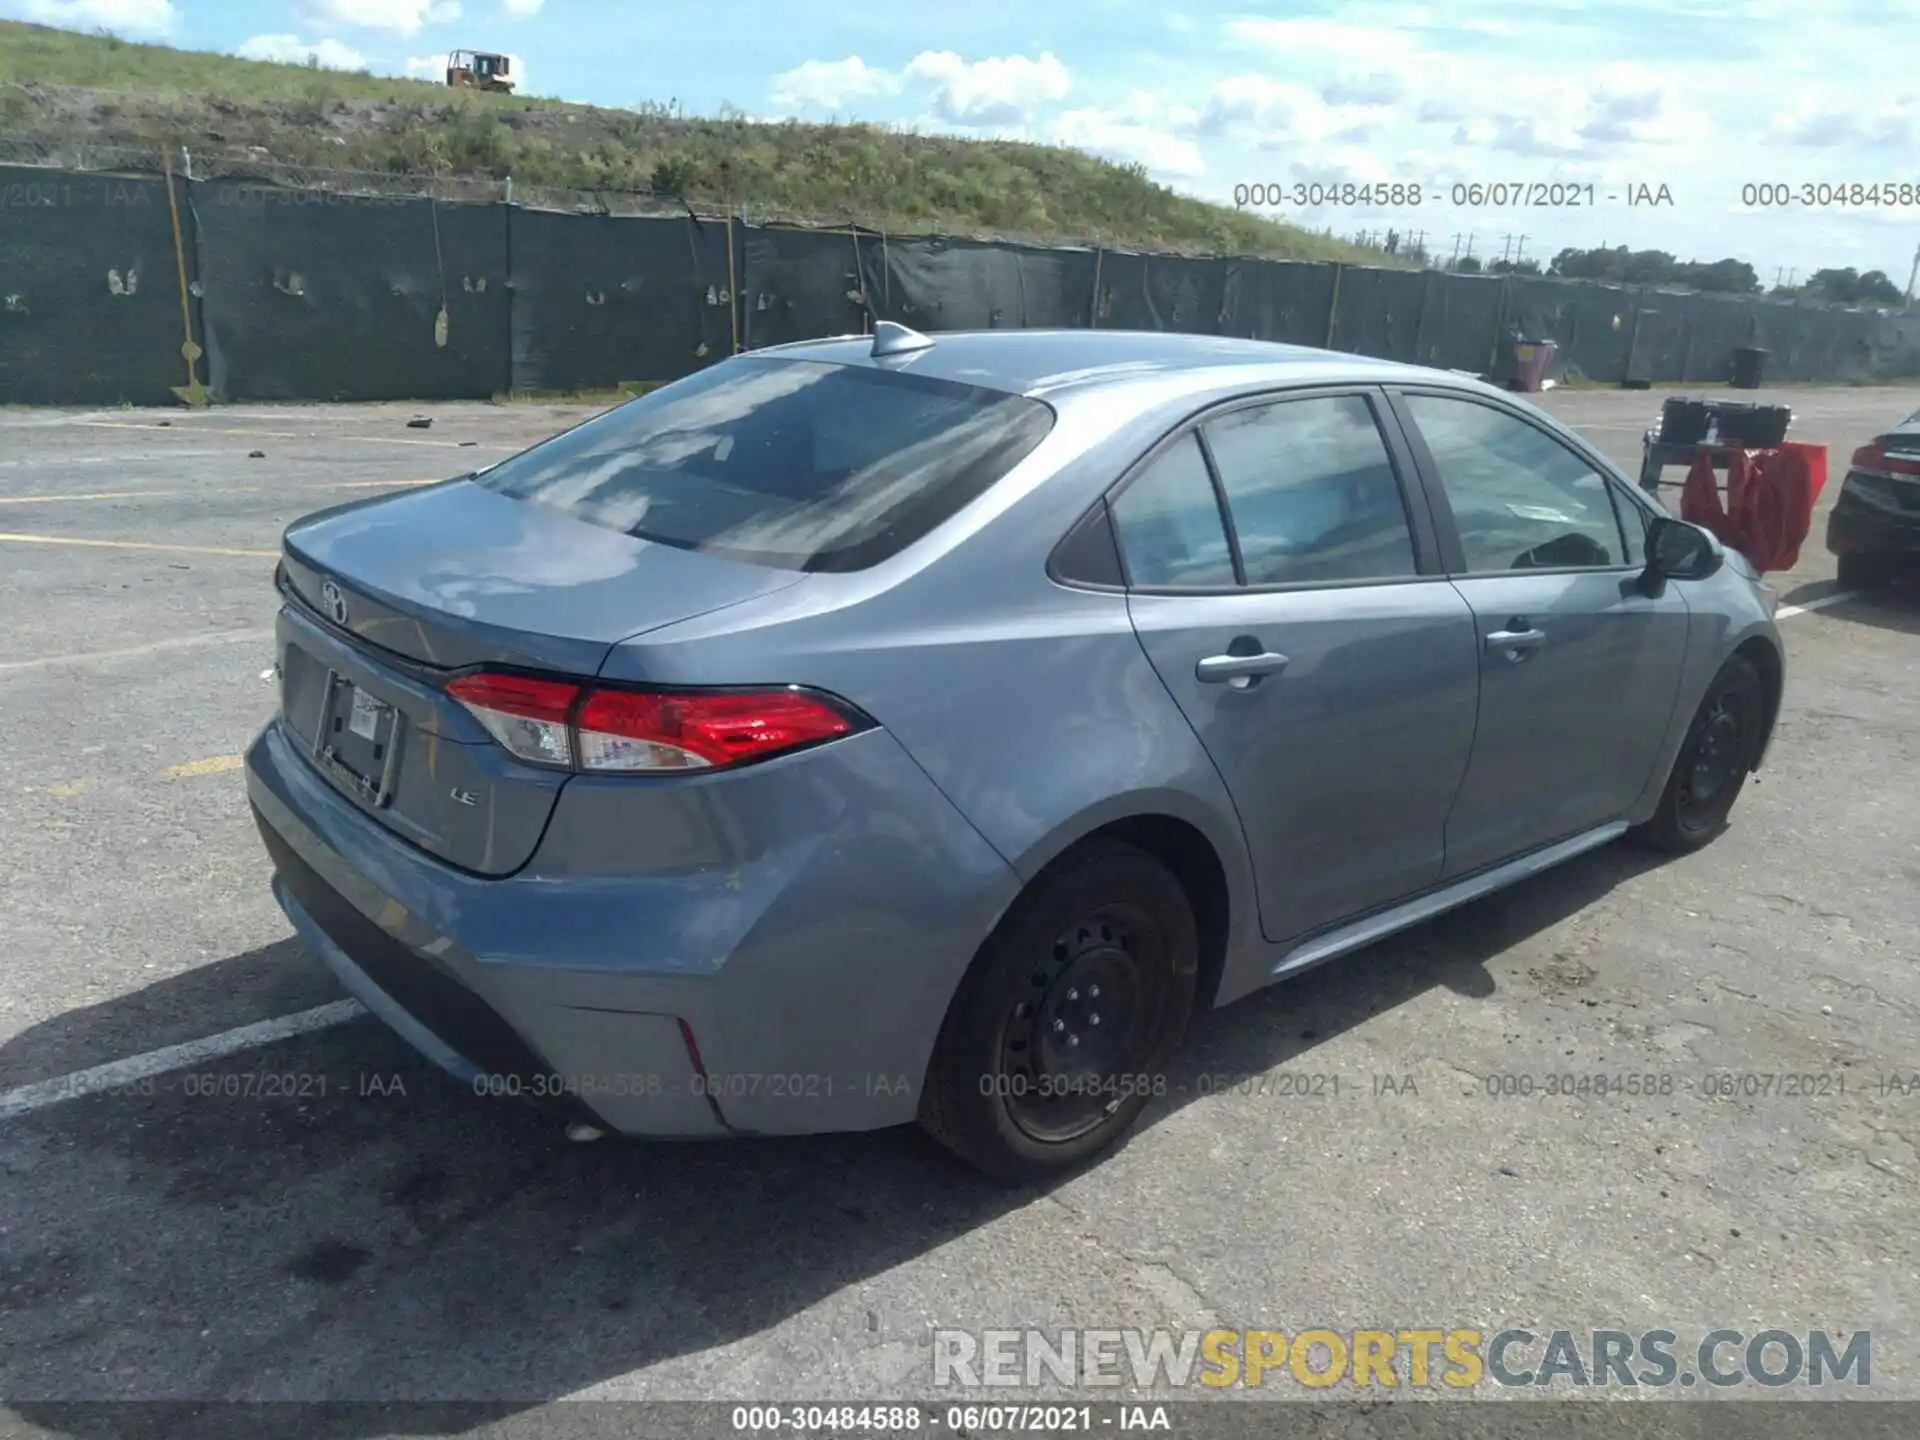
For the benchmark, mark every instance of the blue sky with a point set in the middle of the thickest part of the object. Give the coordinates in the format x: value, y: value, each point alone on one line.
x: 1701, y: 96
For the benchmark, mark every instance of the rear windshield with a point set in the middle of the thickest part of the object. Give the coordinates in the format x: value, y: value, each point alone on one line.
x: 789, y: 463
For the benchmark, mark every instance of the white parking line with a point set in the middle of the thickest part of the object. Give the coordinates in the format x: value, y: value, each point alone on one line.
x: 119, y: 1073
x: 1787, y: 612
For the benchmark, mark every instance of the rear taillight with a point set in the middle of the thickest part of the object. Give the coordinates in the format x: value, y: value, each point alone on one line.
x: 634, y: 731
x: 1873, y: 460
x: 531, y: 718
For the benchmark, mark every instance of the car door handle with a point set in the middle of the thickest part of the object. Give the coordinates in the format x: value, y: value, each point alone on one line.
x: 1517, y: 644
x: 1216, y: 668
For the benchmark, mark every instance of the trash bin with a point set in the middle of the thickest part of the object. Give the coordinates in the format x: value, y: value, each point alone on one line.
x: 1531, y: 361
x: 1749, y: 366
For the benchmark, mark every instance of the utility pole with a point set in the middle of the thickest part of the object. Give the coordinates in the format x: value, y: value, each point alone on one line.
x: 1913, y: 274
x: 1520, y: 250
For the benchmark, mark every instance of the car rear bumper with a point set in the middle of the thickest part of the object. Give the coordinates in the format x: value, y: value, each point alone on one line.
x: 1864, y: 524
x: 797, y: 988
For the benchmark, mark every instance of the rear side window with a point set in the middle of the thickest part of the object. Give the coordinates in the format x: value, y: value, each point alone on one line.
x: 788, y: 463
x: 1312, y: 492
x: 1168, y: 521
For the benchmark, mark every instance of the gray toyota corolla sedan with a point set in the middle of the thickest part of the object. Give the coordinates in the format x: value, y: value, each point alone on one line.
x: 891, y: 728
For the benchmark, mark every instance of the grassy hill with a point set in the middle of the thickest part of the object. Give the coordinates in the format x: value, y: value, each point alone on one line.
x: 61, y: 85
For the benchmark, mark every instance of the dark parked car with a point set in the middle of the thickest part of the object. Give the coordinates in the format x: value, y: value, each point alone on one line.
x: 1874, y: 526
x: 885, y: 728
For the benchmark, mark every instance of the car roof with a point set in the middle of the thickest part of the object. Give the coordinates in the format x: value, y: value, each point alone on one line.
x: 1037, y: 362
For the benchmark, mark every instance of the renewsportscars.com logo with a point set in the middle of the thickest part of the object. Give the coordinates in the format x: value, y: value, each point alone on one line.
x: 1452, y: 1359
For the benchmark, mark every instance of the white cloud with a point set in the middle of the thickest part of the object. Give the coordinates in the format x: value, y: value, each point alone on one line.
x: 404, y: 17
x: 1380, y: 87
x: 1322, y: 39
x: 977, y: 94
x: 831, y: 84
x: 1145, y: 130
x: 136, y: 17
x: 1003, y: 90
x: 434, y: 65
x: 292, y: 50
x: 1270, y: 112
x: 522, y: 9
x: 1892, y: 125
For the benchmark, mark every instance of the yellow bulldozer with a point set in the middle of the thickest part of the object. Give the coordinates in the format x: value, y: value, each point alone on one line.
x: 479, y: 70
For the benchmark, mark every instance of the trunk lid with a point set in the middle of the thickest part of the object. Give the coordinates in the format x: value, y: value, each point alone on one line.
x: 454, y: 574
x: 387, y: 597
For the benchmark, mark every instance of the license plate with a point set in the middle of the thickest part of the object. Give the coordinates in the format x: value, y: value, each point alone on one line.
x: 361, y: 747
x: 364, y: 718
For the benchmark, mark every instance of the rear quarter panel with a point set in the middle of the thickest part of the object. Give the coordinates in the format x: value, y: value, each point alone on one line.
x: 1031, y: 705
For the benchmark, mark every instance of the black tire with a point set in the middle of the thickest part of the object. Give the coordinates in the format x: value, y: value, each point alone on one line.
x: 1714, y: 761
x: 1863, y: 572
x: 1016, y: 1095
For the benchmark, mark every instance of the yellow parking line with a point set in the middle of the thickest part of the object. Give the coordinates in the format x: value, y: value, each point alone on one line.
x: 135, y: 545
x: 213, y: 765
x: 93, y: 495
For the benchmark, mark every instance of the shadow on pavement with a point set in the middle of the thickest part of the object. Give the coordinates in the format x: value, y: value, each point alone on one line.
x: 366, y: 1229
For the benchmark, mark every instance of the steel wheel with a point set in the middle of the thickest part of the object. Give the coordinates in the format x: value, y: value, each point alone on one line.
x: 1717, y: 754
x: 1713, y: 761
x: 1061, y: 1031
x: 1076, y: 1029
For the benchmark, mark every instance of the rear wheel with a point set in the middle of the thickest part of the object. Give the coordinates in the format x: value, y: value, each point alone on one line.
x: 1713, y: 764
x: 1863, y: 572
x: 1063, y: 1027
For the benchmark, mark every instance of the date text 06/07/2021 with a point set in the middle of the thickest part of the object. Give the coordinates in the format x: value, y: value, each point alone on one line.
x: 978, y: 1422
x: 1458, y: 194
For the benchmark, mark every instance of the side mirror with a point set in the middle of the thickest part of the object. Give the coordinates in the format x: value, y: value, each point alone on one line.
x: 1678, y: 551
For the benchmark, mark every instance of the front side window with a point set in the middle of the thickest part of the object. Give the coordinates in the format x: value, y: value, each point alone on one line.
x: 1312, y: 492
x: 1521, y: 500
x: 790, y: 463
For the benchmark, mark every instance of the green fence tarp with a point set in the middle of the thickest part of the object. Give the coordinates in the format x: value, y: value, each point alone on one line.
x: 1162, y: 292
x: 309, y: 295
x: 1276, y: 300
x: 89, y: 290
x: 801, y: 284
x: 968, y: 285
x: 313, y: 295
x: 602, y: 300
x: 1378, y: 312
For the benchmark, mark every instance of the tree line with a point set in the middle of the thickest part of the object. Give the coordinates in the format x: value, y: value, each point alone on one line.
x: 1619, y: 265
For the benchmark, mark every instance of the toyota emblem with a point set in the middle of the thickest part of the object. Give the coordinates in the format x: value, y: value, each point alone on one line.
x: 335, y: 602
